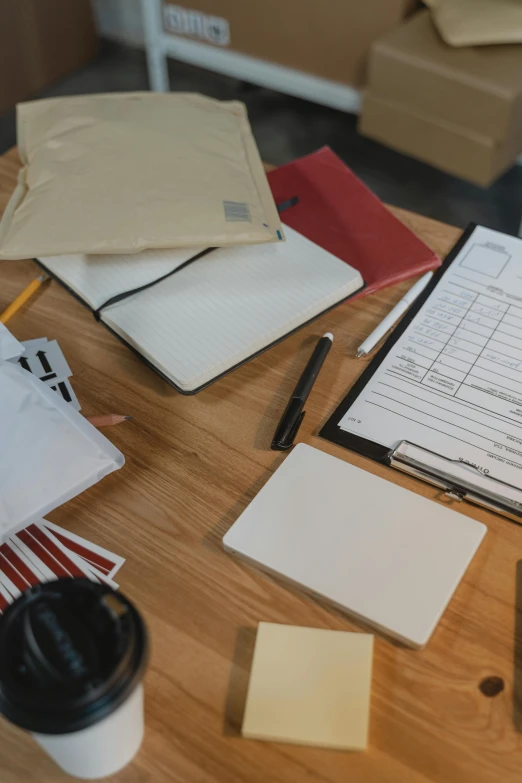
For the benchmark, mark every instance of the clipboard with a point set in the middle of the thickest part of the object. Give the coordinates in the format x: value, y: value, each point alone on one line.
x: 457, y: 479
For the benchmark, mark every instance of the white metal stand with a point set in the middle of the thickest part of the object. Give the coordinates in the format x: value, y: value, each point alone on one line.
x: 154, y: 45
x: 160, y: 45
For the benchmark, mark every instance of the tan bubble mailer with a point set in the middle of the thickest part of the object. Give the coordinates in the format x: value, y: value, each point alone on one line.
x: 477, y: 22
x: 121, y: 173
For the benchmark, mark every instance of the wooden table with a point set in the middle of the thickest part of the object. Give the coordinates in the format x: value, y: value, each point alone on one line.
x: 193, y: 464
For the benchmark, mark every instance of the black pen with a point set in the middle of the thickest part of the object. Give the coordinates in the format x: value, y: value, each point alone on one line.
x: 294, y: 413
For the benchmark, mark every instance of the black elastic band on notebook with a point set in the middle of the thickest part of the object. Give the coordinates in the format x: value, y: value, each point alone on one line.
x: 291, y: 202
x: 126, y: 294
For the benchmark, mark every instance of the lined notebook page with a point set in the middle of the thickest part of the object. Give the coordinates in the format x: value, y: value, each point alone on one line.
x: 95, y: 279
x: 228, y: 305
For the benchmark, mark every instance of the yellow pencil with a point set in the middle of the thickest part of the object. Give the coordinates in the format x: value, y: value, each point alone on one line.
x: 22, y: 298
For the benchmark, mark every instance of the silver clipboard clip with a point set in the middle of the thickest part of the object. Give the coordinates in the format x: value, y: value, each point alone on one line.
x: 460, y: 480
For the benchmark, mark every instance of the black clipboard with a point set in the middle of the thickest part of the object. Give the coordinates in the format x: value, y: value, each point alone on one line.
x: 369, y: 448
x: 413, y: 459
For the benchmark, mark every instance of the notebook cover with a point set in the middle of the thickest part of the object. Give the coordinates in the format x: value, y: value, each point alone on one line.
x: 338, y: 212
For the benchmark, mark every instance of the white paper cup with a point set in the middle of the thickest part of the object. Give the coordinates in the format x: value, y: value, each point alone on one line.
x: 102, y: 749
x: 72, y: 658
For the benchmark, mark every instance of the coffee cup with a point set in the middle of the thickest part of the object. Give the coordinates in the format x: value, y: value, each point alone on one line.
x: 72, y: 658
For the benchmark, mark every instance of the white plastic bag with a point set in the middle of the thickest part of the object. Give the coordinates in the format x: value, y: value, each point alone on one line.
x: 49, y: 453
x: 10, y: 348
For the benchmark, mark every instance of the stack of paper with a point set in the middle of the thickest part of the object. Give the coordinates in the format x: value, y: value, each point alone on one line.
x: 310, y: 686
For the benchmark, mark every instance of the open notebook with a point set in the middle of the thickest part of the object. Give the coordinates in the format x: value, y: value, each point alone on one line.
x: 213, y: 313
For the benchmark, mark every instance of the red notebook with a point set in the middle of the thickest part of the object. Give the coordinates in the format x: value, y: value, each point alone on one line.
x: 336, y: 211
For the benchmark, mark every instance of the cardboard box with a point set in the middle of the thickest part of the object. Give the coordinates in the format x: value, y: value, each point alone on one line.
x: 40, y: 42
x: 328, y: 38
x: 455, y: 150
x: 458, y: 109
x: 478, y: 88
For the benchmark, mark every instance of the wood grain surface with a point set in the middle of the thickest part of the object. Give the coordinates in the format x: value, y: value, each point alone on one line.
x: 193, y: 464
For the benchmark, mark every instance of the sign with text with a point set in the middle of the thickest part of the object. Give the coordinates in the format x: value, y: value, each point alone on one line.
x: 196, y: 24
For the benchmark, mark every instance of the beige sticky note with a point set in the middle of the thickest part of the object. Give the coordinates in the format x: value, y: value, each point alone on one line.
x: 310, y: 686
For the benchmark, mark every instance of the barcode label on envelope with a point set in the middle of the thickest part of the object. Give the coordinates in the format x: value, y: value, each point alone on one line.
x: 237, y: 212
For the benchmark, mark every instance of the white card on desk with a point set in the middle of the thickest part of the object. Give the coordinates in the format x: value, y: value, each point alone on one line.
x: 34, y: 345
x: 66, y: 391
x: 376, y: 550
x: 46, y: 361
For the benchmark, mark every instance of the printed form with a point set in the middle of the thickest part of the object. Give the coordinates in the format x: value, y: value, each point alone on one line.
x: 453, y: 381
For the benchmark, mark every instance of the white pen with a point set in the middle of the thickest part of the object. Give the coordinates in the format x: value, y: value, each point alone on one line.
x: 393, y: 316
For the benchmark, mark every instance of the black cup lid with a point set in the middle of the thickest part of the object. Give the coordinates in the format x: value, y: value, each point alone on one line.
x: 71, y: 651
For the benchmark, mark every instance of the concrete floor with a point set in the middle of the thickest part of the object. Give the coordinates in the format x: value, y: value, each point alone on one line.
x: 286, y: 128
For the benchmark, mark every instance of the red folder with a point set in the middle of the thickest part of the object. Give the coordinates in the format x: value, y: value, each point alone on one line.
x: 336, y: 211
